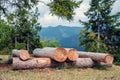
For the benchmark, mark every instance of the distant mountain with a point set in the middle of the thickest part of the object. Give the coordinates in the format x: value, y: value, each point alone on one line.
x: 67, y: 36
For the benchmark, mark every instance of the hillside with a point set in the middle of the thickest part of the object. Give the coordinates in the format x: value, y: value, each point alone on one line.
x: 66, y: 36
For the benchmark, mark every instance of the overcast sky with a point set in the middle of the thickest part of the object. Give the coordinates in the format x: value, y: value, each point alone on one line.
x: 46, y: 19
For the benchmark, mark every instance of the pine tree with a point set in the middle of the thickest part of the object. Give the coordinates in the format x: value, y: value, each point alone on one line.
x: 100, y: 30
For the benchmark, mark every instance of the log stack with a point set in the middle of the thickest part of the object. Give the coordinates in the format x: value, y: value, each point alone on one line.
x: 54, y: 57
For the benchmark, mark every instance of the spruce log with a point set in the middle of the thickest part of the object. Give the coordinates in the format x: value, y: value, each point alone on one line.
x: 84, y: 62
x: 72, y: 54
x: 58, y: 54
x: 100, y: 57
x: 22, y: 54
x: 103, y: 64
x: 31, y: 63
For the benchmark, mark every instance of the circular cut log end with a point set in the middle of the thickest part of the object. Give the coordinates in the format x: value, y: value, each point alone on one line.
x: 109, y: 59
x: 60, y: 54
x: 24, y: 55
x: 72, y: 54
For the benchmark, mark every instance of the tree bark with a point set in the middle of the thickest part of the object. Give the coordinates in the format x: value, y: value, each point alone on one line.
x: 84, y: 62
x: 72, y: 54
x: 99, y: 57
x: 58, y: 54
x: 32, y: 63
x: 22, y: 54
x: 28, y: 42
x: 103, y: 64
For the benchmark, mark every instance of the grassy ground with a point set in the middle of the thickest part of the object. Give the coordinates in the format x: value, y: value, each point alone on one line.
x: 113, y: 73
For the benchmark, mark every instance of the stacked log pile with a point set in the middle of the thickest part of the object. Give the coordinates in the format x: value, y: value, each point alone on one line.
x: 53, y: 57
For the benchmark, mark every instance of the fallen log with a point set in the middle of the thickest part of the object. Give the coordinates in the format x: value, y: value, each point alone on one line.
x: 58, y: 54
x: 72, y: 54
x: 84, y: 62
x: 99, y: 57
x: 22, y: 54
x: 102, y: 64
x: 31, y: 63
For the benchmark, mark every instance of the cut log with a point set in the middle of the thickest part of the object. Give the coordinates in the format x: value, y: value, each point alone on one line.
x: 103, y: 64
x: 72, y: 54
x: 31, y: 63
x: 100, y: 57
x: 58, y: 54
x: 22, y: 54
x: 84, y: 62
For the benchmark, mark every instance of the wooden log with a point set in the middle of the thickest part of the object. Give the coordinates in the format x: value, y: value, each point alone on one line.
x: 100, y: 57
x: 22, y: 54
x: 103, y: 64
x: 31, y: 63
x: 58, y: 54
x: 84, y: 62
x: 72, y: 54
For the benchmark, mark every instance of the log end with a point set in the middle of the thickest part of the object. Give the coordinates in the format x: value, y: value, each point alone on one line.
x: 109, y: 59
x: 72, y: 55
x: 24, y: 55
x: 60, y: 54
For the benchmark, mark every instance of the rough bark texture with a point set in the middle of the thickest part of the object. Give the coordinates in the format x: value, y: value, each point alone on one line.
x: 32, y: 63
x: 72, y: 54
x: 100, y: 57
x: 103, y: 64
x: 84, y: 62
x: 58, y: 54
x: 22, y: 54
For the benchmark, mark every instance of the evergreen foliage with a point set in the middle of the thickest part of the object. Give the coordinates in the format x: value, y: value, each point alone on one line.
x: 64, y: 8
x: 101, y: 32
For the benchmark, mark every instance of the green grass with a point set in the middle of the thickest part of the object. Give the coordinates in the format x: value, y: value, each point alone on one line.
x: 112, y: 73
x: 4, y: 57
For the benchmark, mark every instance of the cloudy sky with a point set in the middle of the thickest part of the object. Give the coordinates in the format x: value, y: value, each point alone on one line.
x: 46, y: 19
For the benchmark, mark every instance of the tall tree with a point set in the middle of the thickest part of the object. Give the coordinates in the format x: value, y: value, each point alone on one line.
x: 5, y: 37
x: 100, y: 29
x: 26, y: 27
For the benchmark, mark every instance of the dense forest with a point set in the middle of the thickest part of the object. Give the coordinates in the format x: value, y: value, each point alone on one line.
x: 19, y: 26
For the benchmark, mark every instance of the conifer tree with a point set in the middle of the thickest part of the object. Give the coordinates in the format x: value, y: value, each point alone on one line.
x: 99, y: 33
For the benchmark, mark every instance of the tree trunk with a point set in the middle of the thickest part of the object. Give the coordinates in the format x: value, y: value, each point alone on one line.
x: 28, y: 42
x: 99, y: 57
x: 58, y: 54
x: 84, y: 62
x: 22, y: 54
x: 32, y: 63
x: 72, y: 54
x: 15, y: 42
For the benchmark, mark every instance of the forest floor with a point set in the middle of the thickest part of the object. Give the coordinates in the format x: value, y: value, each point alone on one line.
x: 6, y: 73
